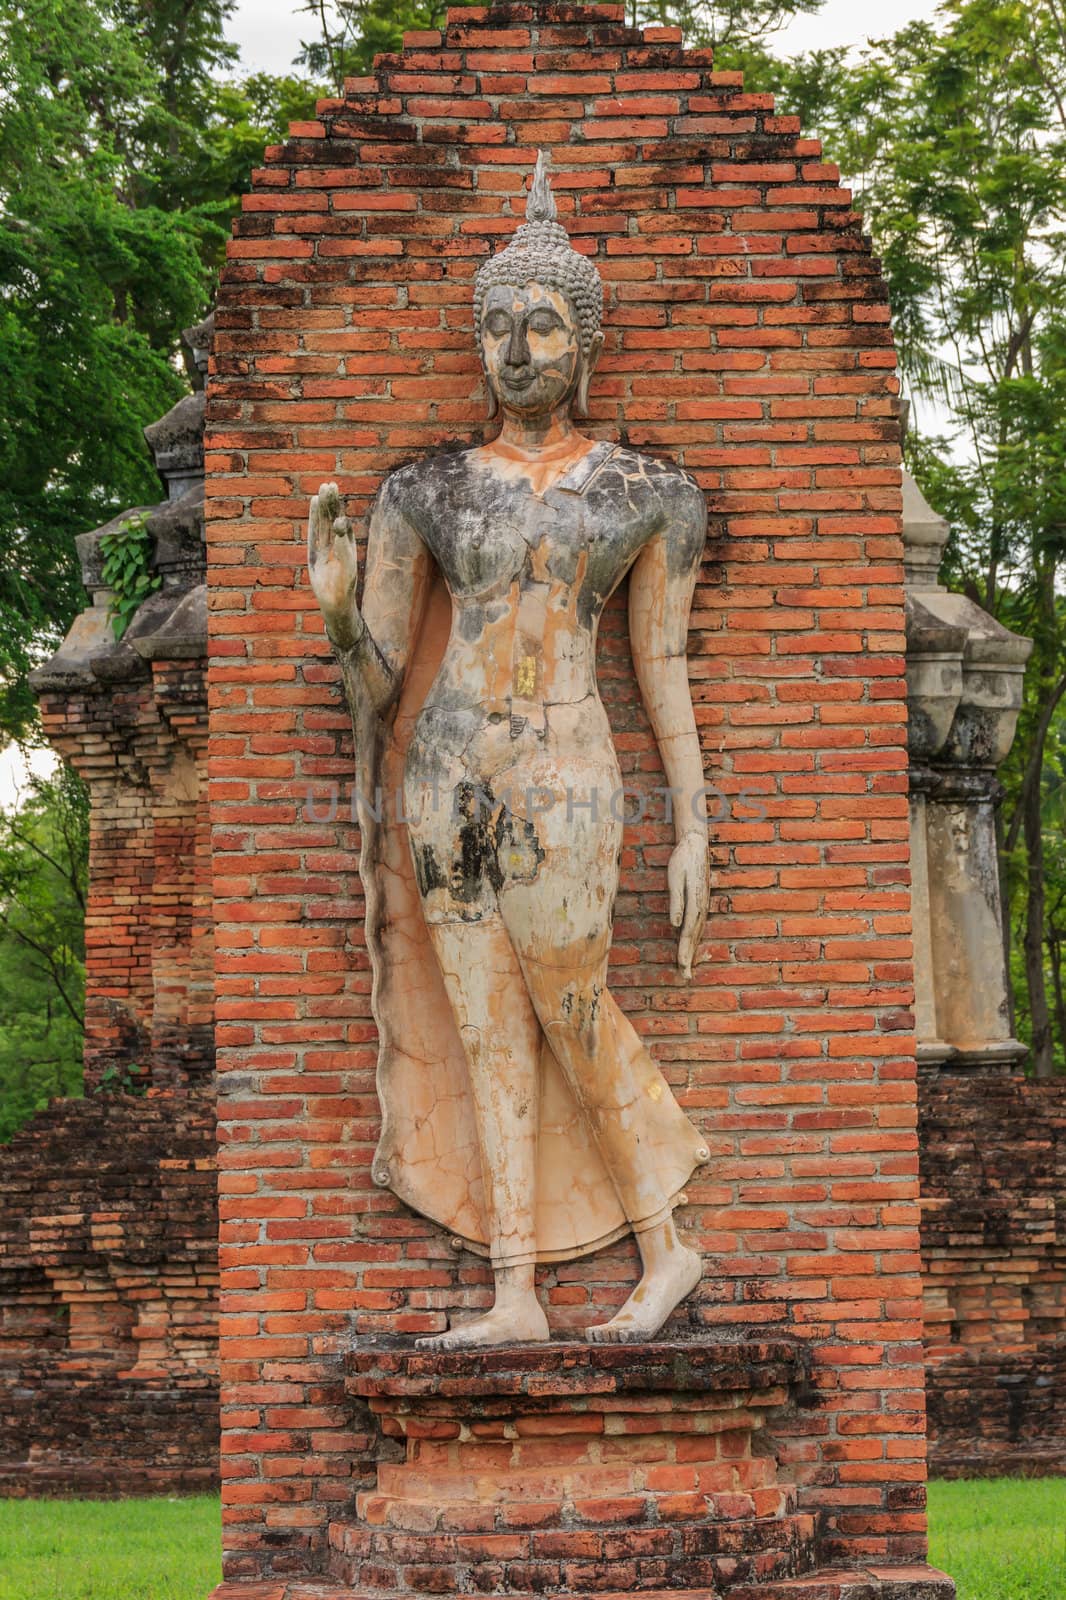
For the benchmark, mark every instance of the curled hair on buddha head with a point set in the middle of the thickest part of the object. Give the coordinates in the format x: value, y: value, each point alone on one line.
x: 541, y: 252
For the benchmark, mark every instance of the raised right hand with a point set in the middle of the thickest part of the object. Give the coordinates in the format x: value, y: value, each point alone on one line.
x: 333, y: 565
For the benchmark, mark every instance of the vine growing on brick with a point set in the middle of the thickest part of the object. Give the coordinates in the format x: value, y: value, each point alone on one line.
x: 127, y: 571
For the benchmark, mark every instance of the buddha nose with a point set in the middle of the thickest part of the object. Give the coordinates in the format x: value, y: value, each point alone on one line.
x: 517, y: 348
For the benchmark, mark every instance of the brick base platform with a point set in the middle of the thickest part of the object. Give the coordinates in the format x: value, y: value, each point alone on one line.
x: 108, y: 1299
x: 828, y: 1583
x: 994, y: 1272
x: 574, y: 1468
x: 568, y: 1469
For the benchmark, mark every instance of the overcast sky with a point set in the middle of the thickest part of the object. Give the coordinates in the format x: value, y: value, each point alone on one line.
x: 15, y: 772
x: 269, y: 31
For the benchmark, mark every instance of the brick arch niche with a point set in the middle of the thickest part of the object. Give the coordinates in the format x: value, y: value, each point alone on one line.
x: 747, y: 337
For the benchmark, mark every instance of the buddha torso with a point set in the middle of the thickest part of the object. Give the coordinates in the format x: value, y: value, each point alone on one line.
x: 528, y: 575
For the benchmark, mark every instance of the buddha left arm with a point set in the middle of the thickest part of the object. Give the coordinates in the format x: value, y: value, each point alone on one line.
x: 661, y: 586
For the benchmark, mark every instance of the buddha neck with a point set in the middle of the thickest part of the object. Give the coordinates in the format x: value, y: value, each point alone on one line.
x: 543, y: 438
x: 538, y: 457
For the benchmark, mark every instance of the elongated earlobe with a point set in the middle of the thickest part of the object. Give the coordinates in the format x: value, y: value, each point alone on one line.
x: 588, y: 367
x: 493, y: 402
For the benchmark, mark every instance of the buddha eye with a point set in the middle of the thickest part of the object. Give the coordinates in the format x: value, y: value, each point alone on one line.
x: 498, y: 324
x: 544, y: 322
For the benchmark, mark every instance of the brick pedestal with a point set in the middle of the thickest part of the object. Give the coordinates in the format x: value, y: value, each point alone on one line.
x: 108, y: 1300
x: 573, y: 1468
x: 994, y: 1272
x: 828, y: 1583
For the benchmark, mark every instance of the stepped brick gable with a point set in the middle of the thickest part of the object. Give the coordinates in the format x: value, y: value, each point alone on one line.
x: 748, y: 340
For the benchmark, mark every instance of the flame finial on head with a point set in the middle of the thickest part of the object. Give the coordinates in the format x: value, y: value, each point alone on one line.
x: 541, y: 207
x: 541, y: 252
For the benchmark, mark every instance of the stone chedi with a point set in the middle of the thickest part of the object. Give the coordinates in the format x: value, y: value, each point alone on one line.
x: 108, y: 1211
x: 964, y: 693
x: 130, y: 716
x: 536, y: 1123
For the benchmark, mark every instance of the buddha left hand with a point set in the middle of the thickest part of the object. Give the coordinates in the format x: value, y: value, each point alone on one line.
x: 689, y: 886
x: 333, y: 566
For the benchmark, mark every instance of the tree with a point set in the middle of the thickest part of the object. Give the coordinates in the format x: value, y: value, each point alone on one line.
x: 955, y: 136
x: 211, y: 170
x: 93, y: 288
x: 741, y: 32
x: 121, y: 159
x: 348, y: 34
x: 43, y: 869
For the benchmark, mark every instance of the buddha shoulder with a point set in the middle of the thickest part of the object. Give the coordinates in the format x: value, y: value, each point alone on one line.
x: 412, y: 490
x: 662, y: 492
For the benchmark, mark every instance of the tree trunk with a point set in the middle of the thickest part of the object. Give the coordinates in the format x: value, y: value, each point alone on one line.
x: 1054, y: 944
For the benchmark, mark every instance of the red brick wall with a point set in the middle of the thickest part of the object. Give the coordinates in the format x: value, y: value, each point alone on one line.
x: 747, y: 336
x: 108, y: 1229
x: 994, y: 1271
x: 108, y: 1299
x: 141, y: 746
x: 105, y: 737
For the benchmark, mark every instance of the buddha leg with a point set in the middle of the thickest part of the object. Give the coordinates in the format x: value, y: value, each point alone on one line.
x: 501, y: 1040
x: 559, y: 919
x: 637, y: 1125
x: 648, y: 1144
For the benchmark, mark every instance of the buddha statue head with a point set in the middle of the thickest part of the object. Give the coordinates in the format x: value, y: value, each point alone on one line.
x: 538, y: 306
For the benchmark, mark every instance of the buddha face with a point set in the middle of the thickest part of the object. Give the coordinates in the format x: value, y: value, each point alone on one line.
x: 531, y: 347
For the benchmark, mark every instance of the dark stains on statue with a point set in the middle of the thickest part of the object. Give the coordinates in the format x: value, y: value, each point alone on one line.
x: 582, y: 1006
x: 482, y: 529
x: 478, y: 860
x: 495, y: 847
x: 518, y: 848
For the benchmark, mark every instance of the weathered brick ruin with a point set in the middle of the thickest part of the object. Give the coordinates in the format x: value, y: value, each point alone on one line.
x: 993, y: 1146
x: 130, y: 716
x: 748, y: 338
x: 108, y: 1289
x: 108, y: 1256
x: 993, y: 1165
x: 345, y: 348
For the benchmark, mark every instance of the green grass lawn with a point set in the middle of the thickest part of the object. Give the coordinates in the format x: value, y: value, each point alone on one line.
x: 1003, y: 1540
x: 109, y: 1550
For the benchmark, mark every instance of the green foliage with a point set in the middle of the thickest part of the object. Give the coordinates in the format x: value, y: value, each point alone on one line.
x: 43, y: 862
x: 346, y: 35
x: 121, y: 160
x: 127, y: 570
x: 1053, y: 810
x: 107, y: 1550
x: 211, y: 167
x: 1001, y: 1538
x: 129, y: 1079
x: 954, y: 135
x: 93, y: 286
x: 742, y: 32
